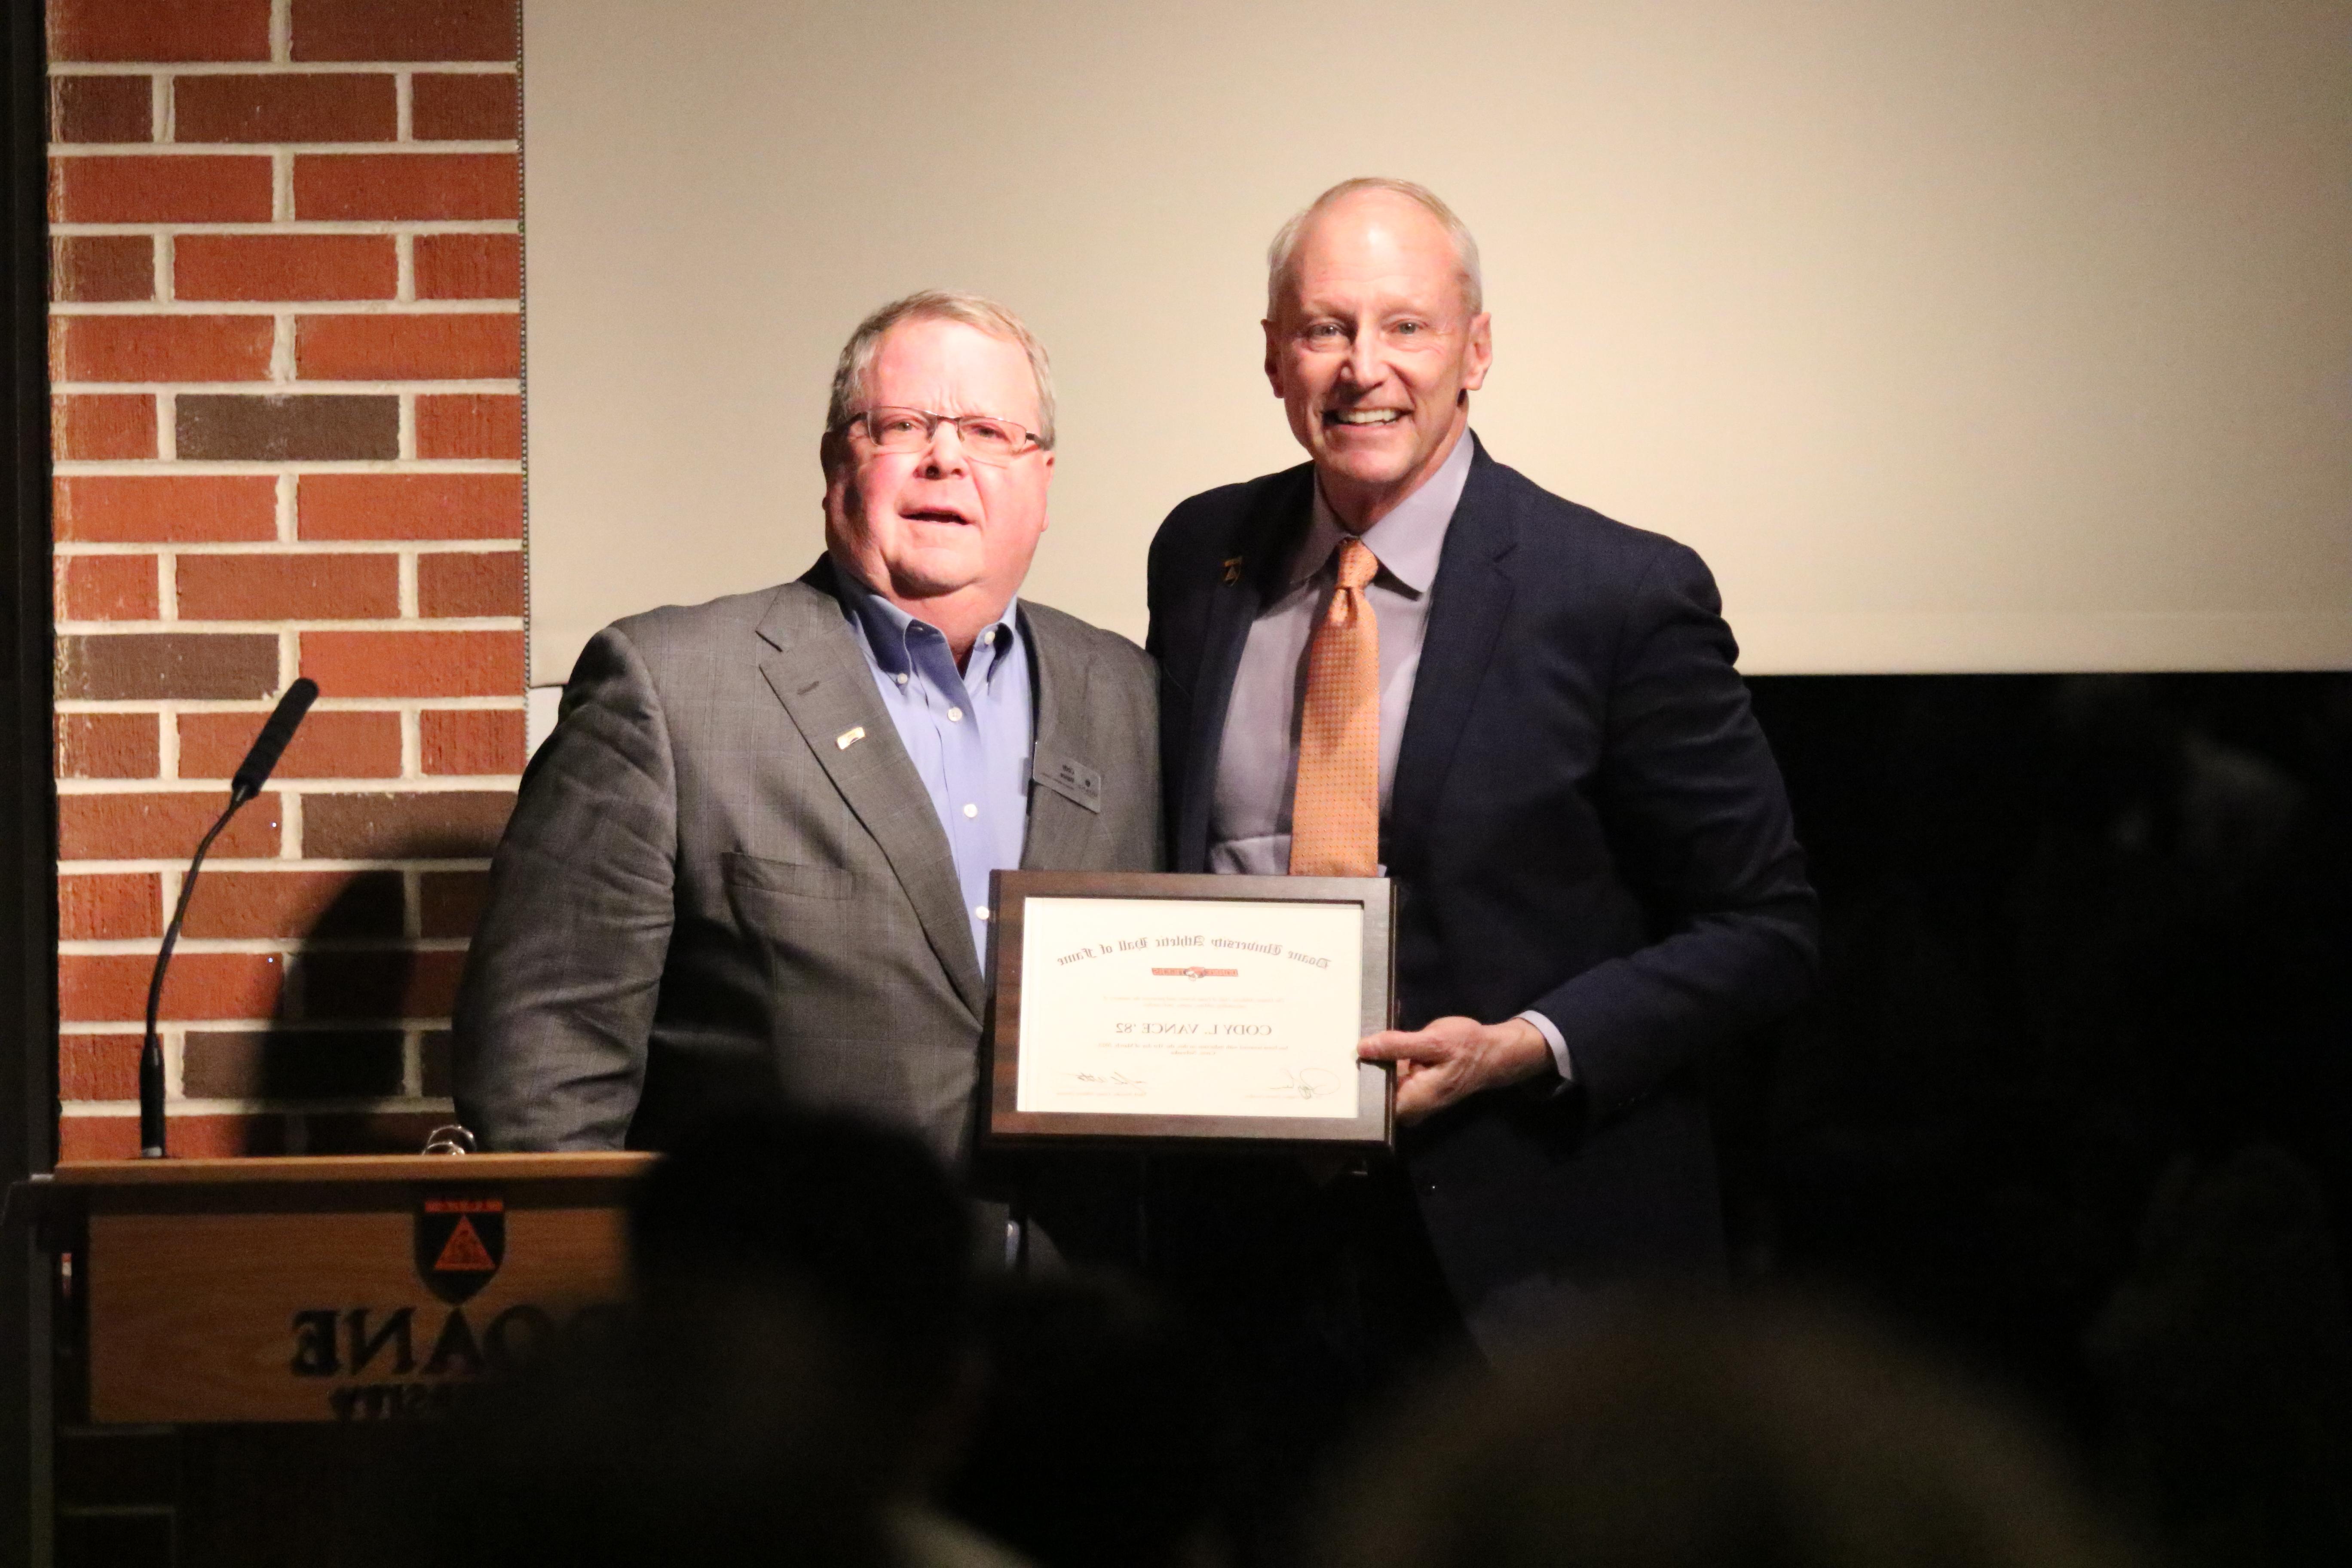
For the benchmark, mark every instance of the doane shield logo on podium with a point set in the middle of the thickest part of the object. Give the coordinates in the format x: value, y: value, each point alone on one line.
x: 461, y: 1239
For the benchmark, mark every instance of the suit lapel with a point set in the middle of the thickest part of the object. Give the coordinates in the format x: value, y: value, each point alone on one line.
x: 1468, y: 603
x: 1065, y: 789
x: 1259, y: 551
x: 818, y: 673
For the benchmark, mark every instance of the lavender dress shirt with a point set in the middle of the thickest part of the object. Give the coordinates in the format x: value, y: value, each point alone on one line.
x: 1257, y: 761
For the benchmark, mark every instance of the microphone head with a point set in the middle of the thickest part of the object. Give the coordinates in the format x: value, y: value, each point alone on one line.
x: 270, y: 744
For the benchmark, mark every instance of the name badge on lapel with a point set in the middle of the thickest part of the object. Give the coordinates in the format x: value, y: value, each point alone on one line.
x: 1070, y: 779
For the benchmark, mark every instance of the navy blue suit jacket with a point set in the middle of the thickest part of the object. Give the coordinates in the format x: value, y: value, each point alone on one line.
x: 1585, y: 820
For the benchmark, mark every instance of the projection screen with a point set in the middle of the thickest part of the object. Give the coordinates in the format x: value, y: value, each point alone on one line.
x: 1956, y: 335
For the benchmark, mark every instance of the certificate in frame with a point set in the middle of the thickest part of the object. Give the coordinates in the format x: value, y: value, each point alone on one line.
x: 1261, y: 984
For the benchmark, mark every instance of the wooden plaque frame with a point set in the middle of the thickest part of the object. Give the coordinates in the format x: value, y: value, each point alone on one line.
x: 1372, y: 1126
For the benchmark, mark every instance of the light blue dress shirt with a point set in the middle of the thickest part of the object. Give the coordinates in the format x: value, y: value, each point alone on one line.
x: 969, y: 733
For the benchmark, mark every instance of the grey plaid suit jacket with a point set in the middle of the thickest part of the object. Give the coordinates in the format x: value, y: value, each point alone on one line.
x: 704, y: 882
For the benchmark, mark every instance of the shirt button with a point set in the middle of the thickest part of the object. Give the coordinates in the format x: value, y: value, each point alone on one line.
x: 955, y: 715
x: 971, y: 811
x: 900, y: 679
x: 980, y: 912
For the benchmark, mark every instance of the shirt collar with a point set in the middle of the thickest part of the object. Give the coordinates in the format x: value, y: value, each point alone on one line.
x: 886, y: 626
x: 1409, y: 539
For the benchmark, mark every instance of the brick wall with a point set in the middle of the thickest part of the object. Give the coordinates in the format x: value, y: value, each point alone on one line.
x: 288, y: 437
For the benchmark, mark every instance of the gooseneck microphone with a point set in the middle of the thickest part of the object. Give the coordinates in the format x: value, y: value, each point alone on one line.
x: 251, y: 774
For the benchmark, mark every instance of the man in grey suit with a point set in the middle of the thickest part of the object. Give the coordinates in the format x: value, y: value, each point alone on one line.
x: 756, y: 850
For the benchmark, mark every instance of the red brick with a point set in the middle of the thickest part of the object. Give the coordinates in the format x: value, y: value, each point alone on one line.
x: 181, y: 30
x: 473, y: 740
x: 88, y: 426
x: 187, y: 1137
x: 277, y: 108
x: 200, y: 188
x: 406, y: 186
x: 225, y: 1137
x: 112, y: 987
x: 409, y: 506
x: 288, y: 587
x: 449, y: 903
x: 418, y: 825
x: 285, y: 267
x: 320, y: 904
x: 372, y: 1131
x: 469, y: 266
x: 107, y: 588
x: 164, y: 825
x: 470, y: 425
x: 479, y: 105
x: 160, y: 348
x: 101, y: 109
x: 470, y: 583
x: 98, y: 1067
x: 108, y: 746
x: 86, y: 269
x: 110, y: 906
x: 332, y: 743
x: 370, y: 985
x: 404, y: 30
x: 98, y: 1137
x: 415, y: 664
x: 408, y: 348
x: 106, y: 509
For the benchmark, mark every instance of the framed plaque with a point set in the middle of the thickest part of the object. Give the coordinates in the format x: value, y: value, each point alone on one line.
x: 1182, y: 1008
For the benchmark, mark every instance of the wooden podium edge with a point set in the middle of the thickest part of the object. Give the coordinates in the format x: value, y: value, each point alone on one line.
x: 375, y: 1168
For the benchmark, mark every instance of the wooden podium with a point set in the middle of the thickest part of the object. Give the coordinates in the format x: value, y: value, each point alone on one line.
x: 325, y: 1289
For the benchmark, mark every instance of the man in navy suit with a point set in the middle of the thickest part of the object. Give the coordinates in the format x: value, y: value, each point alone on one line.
x: 1598, y: 878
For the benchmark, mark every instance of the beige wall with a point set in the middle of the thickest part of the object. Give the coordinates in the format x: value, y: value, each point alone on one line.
x: 1985, y: 334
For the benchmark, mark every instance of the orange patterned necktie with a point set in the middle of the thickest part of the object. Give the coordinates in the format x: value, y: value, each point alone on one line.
x: 1335, y: 816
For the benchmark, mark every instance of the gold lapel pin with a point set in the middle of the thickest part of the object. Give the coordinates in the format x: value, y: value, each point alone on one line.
x: 1232, y: 569
x: 849, y: 737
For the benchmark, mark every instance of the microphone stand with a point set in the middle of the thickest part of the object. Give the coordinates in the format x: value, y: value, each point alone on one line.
x: 251, y: 774
x: 151, y: 1053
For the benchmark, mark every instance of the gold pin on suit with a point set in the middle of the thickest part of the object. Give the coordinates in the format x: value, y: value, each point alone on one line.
x: 849, y: 737
x: 1233, y: 570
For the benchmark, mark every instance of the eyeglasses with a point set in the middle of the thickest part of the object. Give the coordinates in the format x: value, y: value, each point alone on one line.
x: 985, y: 437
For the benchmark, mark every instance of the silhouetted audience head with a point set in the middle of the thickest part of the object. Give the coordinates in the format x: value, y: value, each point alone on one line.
x: 851, y: 1221
x: 781, y: 1387
x: 1105, y: 1435
x: 1693, y: 1434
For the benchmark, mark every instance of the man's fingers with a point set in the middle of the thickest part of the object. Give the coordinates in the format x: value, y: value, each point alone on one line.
x: 1421, y: 1094
x: 1401, y: 1045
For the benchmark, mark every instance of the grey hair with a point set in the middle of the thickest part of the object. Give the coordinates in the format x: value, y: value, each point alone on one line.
x: 1286, y: 240
x: 935, y: 305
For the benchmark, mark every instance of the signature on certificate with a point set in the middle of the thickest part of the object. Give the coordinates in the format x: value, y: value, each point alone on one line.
x: 1301, y: 1083
x: 1105, y: 1082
